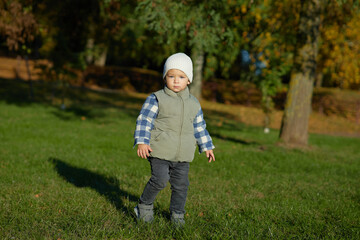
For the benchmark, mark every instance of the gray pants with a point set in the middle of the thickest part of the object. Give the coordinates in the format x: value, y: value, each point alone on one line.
x: 163, y: 171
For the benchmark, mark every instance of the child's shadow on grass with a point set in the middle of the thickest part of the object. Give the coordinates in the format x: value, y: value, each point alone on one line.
x: 105, y: 186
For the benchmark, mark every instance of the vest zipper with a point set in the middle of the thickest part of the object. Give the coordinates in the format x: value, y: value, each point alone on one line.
x: 181, y: 126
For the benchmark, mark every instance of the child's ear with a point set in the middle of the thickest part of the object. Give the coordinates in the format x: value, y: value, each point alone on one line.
x: 188, y: 82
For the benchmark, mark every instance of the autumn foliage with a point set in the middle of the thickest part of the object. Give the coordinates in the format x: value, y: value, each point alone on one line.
x: 340, y: 54
x: 17, y: 25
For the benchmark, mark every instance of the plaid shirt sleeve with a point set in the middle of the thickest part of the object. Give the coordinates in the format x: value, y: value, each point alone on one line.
x: 202, y: 136
x: 145, y: 120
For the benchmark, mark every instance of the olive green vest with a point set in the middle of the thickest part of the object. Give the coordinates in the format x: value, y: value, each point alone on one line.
x: 172, y: 137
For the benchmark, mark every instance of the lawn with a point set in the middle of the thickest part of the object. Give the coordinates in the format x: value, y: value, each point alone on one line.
x: 73, y: 174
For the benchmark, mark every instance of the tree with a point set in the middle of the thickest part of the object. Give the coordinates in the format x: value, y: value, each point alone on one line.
x: 339, y: 53
x: 76, y: 34
x: 294, y: 129
x: 191, y: 25
x: 104, y: 25
x: 261, y: 52
x: 19, y: 27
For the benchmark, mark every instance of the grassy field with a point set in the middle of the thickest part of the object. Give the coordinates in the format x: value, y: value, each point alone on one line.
x: 73, y: 174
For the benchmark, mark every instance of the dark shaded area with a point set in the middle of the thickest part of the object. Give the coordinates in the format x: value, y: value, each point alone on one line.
x: 109, y: 187
x: 220, y: 116
x: 92, y: 104
x: 232, y: 139
x: 77, y: 111
x: 115, y: 77
x: 14, y: 91
x: 218, y: 122
x: 85, y: 102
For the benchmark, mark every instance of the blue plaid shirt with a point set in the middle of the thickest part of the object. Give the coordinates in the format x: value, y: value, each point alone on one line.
x: 145, y: 123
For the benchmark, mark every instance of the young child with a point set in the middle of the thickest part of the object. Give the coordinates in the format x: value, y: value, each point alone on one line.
x: 169, y: 126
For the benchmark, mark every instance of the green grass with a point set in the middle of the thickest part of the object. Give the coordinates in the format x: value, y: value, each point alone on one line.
x: 73, y: 174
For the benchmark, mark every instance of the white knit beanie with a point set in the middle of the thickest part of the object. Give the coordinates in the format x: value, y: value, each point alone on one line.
x: 181, y: 62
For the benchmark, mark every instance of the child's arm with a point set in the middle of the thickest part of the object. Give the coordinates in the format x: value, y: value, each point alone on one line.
x: 203, y: 137
x: 144, y: 125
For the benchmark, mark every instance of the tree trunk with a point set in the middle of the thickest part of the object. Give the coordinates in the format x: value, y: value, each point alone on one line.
x: 29, y: 78
x: 267, y: 110
x: 198, y: 59
x: 294, y: 128
x: 101, y: 59
x: 90, y: 51
x: 319, y: 79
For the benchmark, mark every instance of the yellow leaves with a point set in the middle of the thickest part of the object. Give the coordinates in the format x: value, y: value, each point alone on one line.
x: 348, y: 32
x: 290, y: 48
x: 261, y: 58
x: 340, y: 53
x: 243, y: 9
x: 267, y: 53
x: 328, y: 62
x: 277, y: 53
x: 252, y: 67
x: 39, y: 195
x: 257, y: 17
x: 268, y: 36
x: 331, y: 34
x: 245, y: 36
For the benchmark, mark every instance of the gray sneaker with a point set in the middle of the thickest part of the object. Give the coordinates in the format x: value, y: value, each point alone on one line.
x: 177, y: 219
x: 144, y: 212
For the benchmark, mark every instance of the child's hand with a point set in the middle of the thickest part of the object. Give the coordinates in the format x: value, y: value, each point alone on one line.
x: 210, y: 155
x: 144, y: 150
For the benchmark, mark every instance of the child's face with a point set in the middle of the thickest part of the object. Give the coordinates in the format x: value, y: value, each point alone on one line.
x: 176, y: 80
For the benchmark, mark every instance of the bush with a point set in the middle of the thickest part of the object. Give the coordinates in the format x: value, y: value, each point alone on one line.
x: 128, y: 79
x: 343, y: 103
x: 231, y: 92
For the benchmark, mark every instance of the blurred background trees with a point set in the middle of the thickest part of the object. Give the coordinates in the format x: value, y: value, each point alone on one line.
x: 194, y: 27
x: 18, y: 29
x: 242, y: 42
x: 237, y: 39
